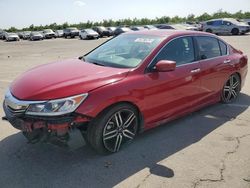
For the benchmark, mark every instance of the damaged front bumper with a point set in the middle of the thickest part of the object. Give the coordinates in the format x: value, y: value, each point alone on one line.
x: 41, y: 128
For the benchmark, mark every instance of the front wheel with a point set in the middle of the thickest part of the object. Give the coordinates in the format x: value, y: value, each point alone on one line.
x: 113, y: 129
x: 231, y: 89
x: 235, y: 31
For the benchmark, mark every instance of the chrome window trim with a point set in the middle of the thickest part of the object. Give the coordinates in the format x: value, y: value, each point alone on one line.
x: 201, y: 60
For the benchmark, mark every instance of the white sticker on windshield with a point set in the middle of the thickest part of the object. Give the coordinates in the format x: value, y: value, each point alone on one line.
x: 144, y: 40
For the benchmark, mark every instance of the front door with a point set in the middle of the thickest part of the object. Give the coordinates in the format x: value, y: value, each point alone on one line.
x: 168, y: 94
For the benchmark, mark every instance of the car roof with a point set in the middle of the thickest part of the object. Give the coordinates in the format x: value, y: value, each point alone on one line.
x: 226, y: 19
x: 167, y: 33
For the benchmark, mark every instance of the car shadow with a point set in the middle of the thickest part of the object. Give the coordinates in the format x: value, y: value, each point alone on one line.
x: 44, y: 165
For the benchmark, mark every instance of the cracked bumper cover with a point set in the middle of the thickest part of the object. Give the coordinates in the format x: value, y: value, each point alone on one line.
x: 29, y: 123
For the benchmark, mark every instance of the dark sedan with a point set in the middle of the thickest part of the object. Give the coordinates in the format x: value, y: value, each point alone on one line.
x: 121, y: 30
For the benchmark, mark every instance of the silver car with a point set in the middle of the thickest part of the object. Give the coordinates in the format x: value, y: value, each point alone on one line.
x: 225, y: 26
x: 11, y: 37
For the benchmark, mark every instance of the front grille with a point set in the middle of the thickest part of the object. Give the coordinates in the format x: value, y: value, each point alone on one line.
x: 16, y: 112
x: 15, y: 106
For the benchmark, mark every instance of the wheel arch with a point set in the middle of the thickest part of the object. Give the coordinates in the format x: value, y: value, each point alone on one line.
x: 237, y: 73
x: 141, y: 117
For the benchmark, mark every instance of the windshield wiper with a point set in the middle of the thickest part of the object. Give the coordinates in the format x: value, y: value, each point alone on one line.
x: 81, y: 58
x: 99, y: 64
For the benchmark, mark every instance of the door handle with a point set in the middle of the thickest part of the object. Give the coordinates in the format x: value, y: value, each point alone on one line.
x: 227, y: 61
x: 195, y: 70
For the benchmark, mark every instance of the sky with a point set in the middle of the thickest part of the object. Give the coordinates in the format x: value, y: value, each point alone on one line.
x: 23, y: 13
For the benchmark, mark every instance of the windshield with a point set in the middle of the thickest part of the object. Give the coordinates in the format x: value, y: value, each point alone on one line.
x: 48, y: 31
x: 102, y: 28
x: 36, y: 33
x: 72, y: 29
x: 124, y: 51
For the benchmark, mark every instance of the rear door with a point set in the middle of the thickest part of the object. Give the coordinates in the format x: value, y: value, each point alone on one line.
x: 215, y: 65
x: 226, y: 27
x: 168, y: 94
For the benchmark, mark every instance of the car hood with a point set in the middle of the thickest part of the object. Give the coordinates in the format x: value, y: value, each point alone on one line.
x: 242, y: 24
x: 63, y: 79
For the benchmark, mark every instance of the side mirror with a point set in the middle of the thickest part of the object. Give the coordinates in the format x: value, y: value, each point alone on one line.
x: 165, y: 66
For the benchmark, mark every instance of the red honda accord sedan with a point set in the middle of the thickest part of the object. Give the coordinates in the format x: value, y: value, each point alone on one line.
x: 131, y: 83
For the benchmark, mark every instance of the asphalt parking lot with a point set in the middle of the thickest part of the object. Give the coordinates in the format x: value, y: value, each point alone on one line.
x: 209, y: 148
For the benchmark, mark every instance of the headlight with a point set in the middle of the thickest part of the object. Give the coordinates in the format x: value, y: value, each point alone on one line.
x: 56, y: 107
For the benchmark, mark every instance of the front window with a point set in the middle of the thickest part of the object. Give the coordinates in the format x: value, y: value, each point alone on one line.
x: 180, y: 50
x: 125, y: 51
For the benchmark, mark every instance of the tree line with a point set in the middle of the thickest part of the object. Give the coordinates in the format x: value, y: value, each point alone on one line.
x: 135, y: 21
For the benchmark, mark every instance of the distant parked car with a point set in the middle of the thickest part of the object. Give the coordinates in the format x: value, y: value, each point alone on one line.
x: 246, y: 21
x: 137, y: 28
x: 20, y: 34
x: 225, y: 26
x: 11, y: 37
x: 163, y: 26
x: 150, y: 27
x: 196, y: 25
x: 49, y: 34
x: 102, y: 31
x: 36, y: 36
x: 121, y: 30
x: 184, y: 27
x: 2, y: 34
x: 88, y: 34
x: 111, y: 30
x: 26, y: 35
x: 71, y: 32
x: 59, y: 33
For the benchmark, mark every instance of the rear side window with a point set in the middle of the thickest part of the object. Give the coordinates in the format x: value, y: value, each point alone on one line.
x: 180, y: 50
x: 208, y: 47
x: 223, y: 48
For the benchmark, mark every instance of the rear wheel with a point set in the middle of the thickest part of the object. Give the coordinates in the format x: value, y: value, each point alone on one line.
x: 235, y: 31
x: 231, y: 89
x: 113, y: 129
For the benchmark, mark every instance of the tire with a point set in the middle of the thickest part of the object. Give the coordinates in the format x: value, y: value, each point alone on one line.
x: 114, y: 128
x: 235, y: 31
x: 209, y: 31
x: 231, y: 89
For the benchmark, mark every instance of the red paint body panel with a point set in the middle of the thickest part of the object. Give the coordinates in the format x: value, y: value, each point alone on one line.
x: 159, y: 96
x: 63, y: 79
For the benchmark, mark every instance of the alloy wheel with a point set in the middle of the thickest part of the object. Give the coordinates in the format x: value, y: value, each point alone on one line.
x: 231, y: 89
x: 120, y: 129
